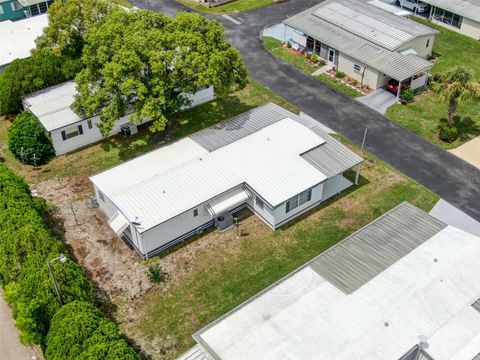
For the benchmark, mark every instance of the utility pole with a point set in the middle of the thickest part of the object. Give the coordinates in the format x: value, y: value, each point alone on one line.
x: 360, y: 165
x: 62, y: 259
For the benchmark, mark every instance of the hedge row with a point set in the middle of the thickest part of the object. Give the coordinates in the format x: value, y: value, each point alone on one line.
x: 76, y: 330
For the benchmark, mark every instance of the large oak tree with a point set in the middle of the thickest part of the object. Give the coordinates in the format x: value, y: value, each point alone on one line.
x: 143, y: 62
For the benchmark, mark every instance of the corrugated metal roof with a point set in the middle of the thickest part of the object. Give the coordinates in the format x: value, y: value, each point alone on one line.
x: 332, y: 158
x: 363, y: 255
x: 263, y: 148
x: 469, y: 9
x: 364, y: 24
x: 195, y: 353
x: 476, y: 357
x: 157, y: 195
x: 18, y: 37
x: 423, y: 296
x: 476, y: 305
x: 391, y: 63
x: 52, y: 105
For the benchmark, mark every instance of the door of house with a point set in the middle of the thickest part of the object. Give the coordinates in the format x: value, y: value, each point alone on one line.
x: 331, y: 57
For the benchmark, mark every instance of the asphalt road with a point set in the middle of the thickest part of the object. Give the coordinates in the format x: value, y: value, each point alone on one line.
x: 448, y: 176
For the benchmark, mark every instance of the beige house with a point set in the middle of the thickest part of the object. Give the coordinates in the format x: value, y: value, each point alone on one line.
x: 365, y: 42
x: 458, y: 15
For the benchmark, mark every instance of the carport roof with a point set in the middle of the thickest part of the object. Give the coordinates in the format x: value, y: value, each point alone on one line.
x: 390, y: 63
x: 469, y: 9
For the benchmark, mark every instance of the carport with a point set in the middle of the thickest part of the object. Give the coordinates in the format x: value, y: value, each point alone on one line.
x: 408, y: 69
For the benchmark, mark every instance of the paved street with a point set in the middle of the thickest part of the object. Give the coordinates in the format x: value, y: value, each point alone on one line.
x: 10, y: 347
x: 450, y: 177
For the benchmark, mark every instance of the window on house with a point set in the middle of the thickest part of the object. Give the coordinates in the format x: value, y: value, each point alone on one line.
x: 428, y: 43
x: 72, y: 132
x: 298, y: 200
x: 1, y: 9
x: 259, y: 202
x: 89, y: 123
x: 195, y: 212
x: 100, y: 195
x: 16, y: 6
x: 357, y: 68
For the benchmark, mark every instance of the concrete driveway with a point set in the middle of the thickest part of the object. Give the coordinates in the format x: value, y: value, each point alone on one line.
x: 470, y: 152
x: 380, y: 100
x: 10, y: 346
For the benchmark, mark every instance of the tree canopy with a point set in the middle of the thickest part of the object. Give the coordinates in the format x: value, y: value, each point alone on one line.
x: 24, y: 76
x: 68, y: 21
x: 146, y: 62
x: 28, y: 134
x: 456, y: 87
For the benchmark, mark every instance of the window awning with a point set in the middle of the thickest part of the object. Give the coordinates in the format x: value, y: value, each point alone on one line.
x: 228, y: 201
x: 118, y: 223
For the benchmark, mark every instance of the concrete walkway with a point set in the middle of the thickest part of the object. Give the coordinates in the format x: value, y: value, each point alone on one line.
x: 10, y: 346
x: 380, y: 100
x: 470, y: 152
x: 450, y: 215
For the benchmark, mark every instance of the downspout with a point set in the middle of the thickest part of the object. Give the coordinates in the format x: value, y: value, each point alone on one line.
x: 363, y: 75
x: 399, y: 90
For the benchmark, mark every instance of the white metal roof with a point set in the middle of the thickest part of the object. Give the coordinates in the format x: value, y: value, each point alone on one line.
x: 390, y: 8
x: 469, y: 9
x: 118, y: 223
x: 178, y: 177
x: 364, y: 24
x: 17, y: 38
x: 52, y: 105
x: 424, y: 296
x: 228, y: 201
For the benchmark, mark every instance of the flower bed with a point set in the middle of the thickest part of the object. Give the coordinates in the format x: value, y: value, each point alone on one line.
x: 350, y: 82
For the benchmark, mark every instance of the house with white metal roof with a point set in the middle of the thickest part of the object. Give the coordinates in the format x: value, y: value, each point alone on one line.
x: 404, y: 287
x: 366, y: 42
x: 462, y: 16
x: 270, y: 160
x: 18, y: 38
x: 69, y: 131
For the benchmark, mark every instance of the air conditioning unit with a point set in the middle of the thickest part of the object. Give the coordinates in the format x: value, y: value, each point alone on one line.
x: 129, y: 129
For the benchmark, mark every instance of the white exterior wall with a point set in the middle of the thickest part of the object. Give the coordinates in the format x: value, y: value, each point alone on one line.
x: 371, y: 77
x: 94, y: 135
x: 279, y: 213
x: 419, y: 44
x: 470, y: 28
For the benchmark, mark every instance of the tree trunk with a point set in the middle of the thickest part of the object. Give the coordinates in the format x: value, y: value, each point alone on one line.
x: 452, y: 109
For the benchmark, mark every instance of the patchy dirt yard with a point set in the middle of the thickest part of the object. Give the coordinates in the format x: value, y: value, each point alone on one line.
x: 116, y: 268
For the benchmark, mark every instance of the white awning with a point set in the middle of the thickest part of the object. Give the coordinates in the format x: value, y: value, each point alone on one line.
x: 228, y: 201
x: 118, y: 223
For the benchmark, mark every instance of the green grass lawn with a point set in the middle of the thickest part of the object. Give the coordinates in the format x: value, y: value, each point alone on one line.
x: 425, y: 114
x: 227, y: 271
x: 103, y: 155
x: 275, y: 47
x: 229, y: 8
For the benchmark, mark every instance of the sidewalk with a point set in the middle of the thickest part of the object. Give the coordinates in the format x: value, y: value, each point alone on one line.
x: 10, y: 346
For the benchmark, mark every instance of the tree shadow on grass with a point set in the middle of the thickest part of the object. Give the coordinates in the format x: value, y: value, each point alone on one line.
x: 466, y: 126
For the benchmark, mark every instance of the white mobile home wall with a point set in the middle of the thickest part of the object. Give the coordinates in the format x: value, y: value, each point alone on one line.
x: 93, y: 134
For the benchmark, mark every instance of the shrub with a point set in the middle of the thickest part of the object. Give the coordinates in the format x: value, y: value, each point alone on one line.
x: 407, y: 95
x: 26, y: 132
x: 340, y: 74
x: 156, y: 274
x: 447, y: 133
x: 289, y: 44
x: 24, y: 76
x: 314, y: 58
x: 80, y: 331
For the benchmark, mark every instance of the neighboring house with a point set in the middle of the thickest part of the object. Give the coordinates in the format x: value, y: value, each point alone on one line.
x: 17, y: 38
x: 68, y: 131
x: 391, y: 8
x: 275, y: 163
x: 404, y: 287
x: 17, y: 9
x: 369, y: 44
x: 458, y: 15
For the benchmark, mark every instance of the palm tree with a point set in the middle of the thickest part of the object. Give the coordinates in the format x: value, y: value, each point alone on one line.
x: 456, y: 87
